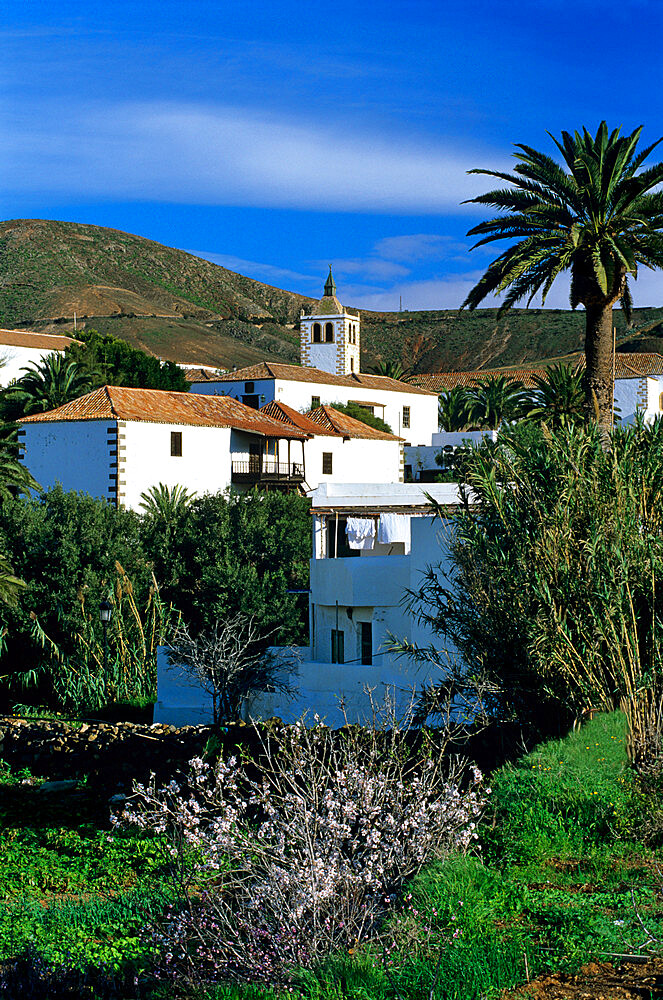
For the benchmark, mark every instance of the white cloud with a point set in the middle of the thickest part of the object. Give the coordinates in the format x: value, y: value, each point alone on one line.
x: 451, y: 291
x: 231, y: 156
x: 417, y: 246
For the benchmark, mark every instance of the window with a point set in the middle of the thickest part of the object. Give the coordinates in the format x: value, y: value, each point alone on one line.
x: 352, y: 364
x: 176, y: 444
x: 366, y: 643
x: 337, y: 645
x: 406, y: 416
x: 327, y: 459
x: 249, y: 387
x: 329, y: 333
x: 315, y: 402
x: 317, y: 333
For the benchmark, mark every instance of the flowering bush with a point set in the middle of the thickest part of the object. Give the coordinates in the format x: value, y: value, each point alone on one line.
x: 304, y: 855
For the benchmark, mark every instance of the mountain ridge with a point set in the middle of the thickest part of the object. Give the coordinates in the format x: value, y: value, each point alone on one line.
x: 183, y: 308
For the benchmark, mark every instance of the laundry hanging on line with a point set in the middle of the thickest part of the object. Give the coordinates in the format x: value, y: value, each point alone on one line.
x: 394, y: 528
x: 360, y: 532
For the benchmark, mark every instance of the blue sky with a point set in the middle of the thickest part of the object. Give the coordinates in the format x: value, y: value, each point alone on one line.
x: 275, y: 137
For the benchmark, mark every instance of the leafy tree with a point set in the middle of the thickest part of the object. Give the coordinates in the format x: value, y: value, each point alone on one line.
x: 166, y: 511
x: 556, y: 590
x: 496, y: 400
x: 453, y: 409
x: 598, y: 217
x: 65, y: 547
x: 47, y: 384
x: 11, y: 587
x: 239, y: 553
x: 558, y: 396
x: 361, y: 413
x: 111, y: 361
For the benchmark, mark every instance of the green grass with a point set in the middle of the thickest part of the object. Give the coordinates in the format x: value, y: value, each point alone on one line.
x: 549, y: 889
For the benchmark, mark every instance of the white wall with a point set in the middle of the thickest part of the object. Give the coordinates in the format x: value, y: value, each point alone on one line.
x: 654, y: 391
x: 373, y: 590
x: 353, y: 461
x: 203, y: 467
x: 17, y: 358
x: 180, y: 701
x: 423, y: 408
x: 74, y: 453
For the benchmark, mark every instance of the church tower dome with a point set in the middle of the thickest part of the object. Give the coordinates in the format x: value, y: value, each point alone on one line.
x: 330, y: 334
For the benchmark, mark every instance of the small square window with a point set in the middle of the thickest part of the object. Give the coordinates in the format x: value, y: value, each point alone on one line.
x: 176, y: 444
x: 249, y: 387
x: 406, y: 416
x: 327, y: 463
x: 315, y: 402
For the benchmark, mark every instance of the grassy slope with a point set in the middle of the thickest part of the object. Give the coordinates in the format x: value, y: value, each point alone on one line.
x: 185, y: 309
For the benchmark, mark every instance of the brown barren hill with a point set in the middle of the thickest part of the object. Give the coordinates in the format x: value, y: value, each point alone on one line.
x: 182, y: 308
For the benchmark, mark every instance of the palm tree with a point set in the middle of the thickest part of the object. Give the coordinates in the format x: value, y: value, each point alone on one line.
x: 453, y: 409
x: 494, y: 400
x: 47, y: 384
x: 166, y: 504
x: 392, y: 369
x: 14, y: 476
x: 598, y: 217
x: 558, y: 397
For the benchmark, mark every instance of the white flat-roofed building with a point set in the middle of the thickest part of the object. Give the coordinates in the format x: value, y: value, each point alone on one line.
x: 372, y: 543
x: 116, y: 443
x: 21, y: 349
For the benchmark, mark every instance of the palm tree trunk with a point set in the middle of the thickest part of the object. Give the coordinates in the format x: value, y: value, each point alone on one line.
x: 598, y: 379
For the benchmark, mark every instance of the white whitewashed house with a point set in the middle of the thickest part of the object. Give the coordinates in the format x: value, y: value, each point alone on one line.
x: 330, y: 340
x: 21, y: 349
x: 372, y: 543
x: 117, y: 443
x: 342, y: 449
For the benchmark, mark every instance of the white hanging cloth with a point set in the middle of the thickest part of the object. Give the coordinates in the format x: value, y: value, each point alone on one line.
x: 394, y: 528
x: 360, y: 532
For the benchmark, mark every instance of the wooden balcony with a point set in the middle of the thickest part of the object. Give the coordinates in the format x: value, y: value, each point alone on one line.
x: 267, y: 472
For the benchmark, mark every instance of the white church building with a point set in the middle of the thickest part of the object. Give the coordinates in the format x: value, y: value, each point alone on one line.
x: 330, y: 340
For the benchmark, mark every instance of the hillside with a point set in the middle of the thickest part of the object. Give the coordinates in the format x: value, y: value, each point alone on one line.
x: 182, y: 308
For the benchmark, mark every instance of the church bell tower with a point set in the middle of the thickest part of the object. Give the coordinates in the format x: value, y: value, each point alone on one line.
x: 330, y: 335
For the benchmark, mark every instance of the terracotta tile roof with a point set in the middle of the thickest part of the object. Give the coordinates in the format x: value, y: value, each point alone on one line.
x: 627, y: 365
x: 270, y: 369
x: 281, y: 411
x: 201, y: 375
x: 162, y: 407
x: 23, y: 338
x: 634, y: 365
x: 390, y: 384
x: 295, y: 373
x: 443, y: 381
x: 341, y: 423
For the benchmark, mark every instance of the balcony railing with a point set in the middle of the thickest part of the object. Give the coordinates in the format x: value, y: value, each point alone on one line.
x: 267, y: 470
